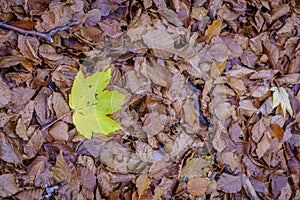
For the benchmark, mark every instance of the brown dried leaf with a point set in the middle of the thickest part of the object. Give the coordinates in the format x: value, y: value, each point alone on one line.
x: 142, y: 184
x: 5, y: 93
x: 8, y: 185
x: 213, y: 29
x: 34, y: 144
x: 276, y: 131
x: 87, y: 179
x: 238, y: 72
x: 33, y: 194
x: 263, y: 145
x: 41, y: 106
x: 58, y: 15
x: 249, y: 58
x: 115, y: 156
x: 197, y: 186
x: 8, y: 61
x: 105, y: 186
x: 93, y: 17
x: 217, y: 50
x: 154, y: 123
x: 60, y: 107
x: 39, y: 169
x: 61, y: 172
x: 110, y: 27
x: 37, y: 7
x: 280, y: 10
x: 105, y: 6
x: 229, y: 183
x: 59, y: 131
x: 171, y: 16
x: 160, y: 42
x: 28, y: 47
x: 20, y: 97
x: 92, y: 34
x: 247, y: 108
x: 258, y: 130
x: 199, y: 13
x: 263, y: 74
x: 9, y: 151
x: 48, y: 52
x: 237, y: 85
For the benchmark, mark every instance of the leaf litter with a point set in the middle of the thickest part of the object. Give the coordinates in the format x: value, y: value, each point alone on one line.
x: 241, y: 58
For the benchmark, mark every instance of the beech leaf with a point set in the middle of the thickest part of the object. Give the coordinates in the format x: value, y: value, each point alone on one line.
x: 92, y: 103
x: 281, y: 98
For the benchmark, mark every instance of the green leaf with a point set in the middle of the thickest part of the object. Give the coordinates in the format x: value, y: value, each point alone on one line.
x: 92, y: 103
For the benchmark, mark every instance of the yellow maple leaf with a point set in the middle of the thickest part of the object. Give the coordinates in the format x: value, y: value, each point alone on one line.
x: 281, y: 98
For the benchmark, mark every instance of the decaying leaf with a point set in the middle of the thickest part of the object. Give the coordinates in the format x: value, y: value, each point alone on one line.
x: 281, y: 99
x: 92, y: 103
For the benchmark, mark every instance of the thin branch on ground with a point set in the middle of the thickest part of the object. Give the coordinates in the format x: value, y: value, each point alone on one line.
x: 58, y: 119
x: 46, y: 36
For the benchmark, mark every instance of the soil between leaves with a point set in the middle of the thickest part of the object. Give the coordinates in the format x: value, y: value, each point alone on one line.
x: 233, y: 53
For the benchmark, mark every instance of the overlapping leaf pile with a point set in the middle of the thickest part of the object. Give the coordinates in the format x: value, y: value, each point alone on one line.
x: 236, y: 61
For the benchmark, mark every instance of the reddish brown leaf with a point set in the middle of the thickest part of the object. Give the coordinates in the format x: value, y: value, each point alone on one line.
x: 197, y: 186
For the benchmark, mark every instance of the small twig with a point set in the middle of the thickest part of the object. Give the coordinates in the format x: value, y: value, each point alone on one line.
x: 58, y: 119
x: 46, y: 36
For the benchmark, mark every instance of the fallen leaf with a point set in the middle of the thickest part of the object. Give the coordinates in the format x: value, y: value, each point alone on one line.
x: 171, y: 16
x: 195, y: 167
x: 59, y: 14
x: 34, y: 144
x: 9, y: 151
x: 229, y: 183
x: 281, y: 99
x: 142, y: 183
x: 276, y: 131
x: 197, y: 186
x: 5, y: 93
x: 264, y: 145
x: 110, y: 27
x: 213, y: 29
x: 92, y: 107
x: 8, y: 185
x: 61, y: 172
x: 33, y: 194
x: 59, y: 131
x: 87, y: 179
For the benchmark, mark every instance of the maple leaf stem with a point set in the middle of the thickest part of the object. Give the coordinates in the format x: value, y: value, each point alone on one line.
x: 45, y: 36
x: 56, y: 120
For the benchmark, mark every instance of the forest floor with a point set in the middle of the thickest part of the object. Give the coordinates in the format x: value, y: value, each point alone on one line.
x: 211, y: 108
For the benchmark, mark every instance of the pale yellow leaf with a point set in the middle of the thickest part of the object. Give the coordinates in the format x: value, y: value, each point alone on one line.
x: 281, y: 98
